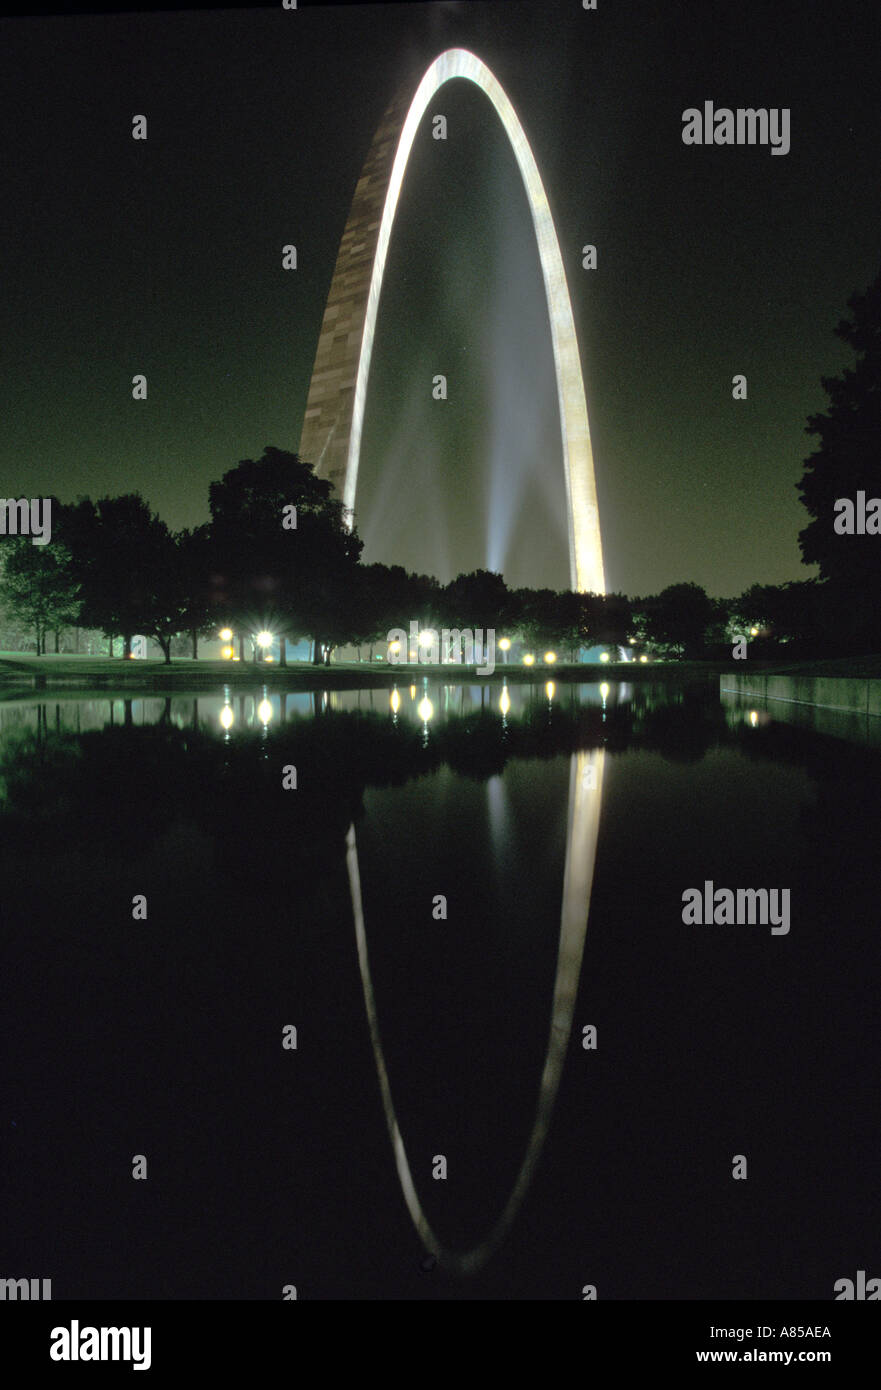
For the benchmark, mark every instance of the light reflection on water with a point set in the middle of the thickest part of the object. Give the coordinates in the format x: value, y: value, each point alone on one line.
x: 427, y: 703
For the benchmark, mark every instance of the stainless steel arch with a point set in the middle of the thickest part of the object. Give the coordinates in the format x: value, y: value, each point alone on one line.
x: 333, y: 422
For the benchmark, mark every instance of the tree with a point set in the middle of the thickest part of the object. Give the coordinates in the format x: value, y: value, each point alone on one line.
x: 37, y: 584
x: 785, y: 613
x: 283, y: 557
x: 606, y: 620
x: 848, y: 461
x: 194, y: 576
x: 125, y: 561
x: 476, y: 600
x: 541, y: 619
x: 375, y: 604
x: 675, y: 622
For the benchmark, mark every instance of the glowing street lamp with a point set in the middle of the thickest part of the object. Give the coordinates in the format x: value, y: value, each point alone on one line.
x: 604, y: 656
x: 227, y: 653
x: 505, y: 646
x: 427, y: 639
x: 265, y: 639
x: 394, y: 648
x: 550, y: 658
x: 226, y: 634
x: 529, y: 659
x: 643, y: 659
x: 754, y: 632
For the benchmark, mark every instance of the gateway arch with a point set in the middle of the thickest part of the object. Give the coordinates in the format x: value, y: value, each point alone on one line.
x: 334, y: 418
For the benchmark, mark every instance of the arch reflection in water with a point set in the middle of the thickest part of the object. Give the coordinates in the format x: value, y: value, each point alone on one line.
x: 585, y: 793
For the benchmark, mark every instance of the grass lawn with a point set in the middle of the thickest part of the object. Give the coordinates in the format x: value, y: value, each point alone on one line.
x: 102, y: 671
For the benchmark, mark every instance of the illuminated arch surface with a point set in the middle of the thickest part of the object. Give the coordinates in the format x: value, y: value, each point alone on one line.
x: 332, y: 425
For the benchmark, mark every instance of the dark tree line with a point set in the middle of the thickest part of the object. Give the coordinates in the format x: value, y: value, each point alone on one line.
x: 276, y: 555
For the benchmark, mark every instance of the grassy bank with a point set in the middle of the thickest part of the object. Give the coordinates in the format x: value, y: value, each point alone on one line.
x: 104, y: 673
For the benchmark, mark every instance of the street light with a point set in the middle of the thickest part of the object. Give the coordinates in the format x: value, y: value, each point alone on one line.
x: 265, y: 639
x: 550, y: 658
x: 226, y: 634
x: 529, y: 659
x: 604, y: 656
x: 505, y: 646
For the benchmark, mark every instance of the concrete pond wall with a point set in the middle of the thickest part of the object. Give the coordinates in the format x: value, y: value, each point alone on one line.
x: 844, y: 707
x: 830, y: 692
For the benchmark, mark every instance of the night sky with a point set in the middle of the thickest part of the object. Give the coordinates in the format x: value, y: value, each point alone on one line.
x: 164, y: 257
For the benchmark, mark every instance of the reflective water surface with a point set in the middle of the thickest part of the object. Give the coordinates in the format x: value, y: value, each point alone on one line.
x: 451, y: 893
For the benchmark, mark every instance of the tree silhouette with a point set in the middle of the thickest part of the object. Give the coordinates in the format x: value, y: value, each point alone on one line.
x: 124, y: 561
x: 848, y: 461
x: 292, y: 579
x: 676, y: 621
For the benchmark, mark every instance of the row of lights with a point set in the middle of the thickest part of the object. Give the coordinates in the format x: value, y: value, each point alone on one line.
x: 264, y: 641
x: 425, y: 709
x: 426, y: 638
